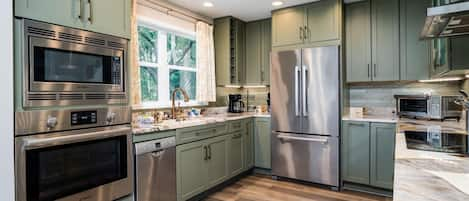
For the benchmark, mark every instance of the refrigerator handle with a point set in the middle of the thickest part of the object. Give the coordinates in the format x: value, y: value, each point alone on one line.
x: 305, y: 83
x: 297, y: 90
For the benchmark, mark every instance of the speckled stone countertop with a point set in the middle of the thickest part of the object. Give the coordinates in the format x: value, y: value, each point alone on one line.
x: 429, y: 176
x: 213, y: 118
x: 424, y: 175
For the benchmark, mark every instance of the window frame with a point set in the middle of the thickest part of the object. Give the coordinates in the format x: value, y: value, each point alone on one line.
x: 163, y: 68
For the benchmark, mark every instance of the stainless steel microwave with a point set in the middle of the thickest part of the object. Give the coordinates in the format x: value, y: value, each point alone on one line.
x: 67, y: 66
x: 428, y: 107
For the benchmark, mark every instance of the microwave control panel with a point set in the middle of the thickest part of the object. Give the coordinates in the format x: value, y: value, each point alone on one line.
x: 83, y: 118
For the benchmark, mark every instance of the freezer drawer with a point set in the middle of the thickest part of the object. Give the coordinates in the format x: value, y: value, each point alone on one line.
x: 306, y: 157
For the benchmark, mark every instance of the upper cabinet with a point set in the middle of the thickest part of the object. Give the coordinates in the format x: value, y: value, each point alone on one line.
x: 258, y: 47
x: 311, y: 23
x: 415, y: 53
x: 229, y: 38
x: 103, y: 16
x: 372, y: 35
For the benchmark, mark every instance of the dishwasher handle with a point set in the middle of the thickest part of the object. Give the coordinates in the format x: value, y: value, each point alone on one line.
x: 154, y: 145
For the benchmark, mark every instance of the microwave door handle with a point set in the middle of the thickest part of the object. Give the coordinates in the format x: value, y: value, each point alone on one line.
x: 36, y: 143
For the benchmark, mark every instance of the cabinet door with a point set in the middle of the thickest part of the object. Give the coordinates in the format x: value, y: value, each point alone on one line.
x: 222, y: 51
x: 236, y: 153
x: 358, y: 41
x: 262, y: 143
x: 412, y: 19
x: 109, y: 16
x: 240, y: 49
x: 253, y: 52
x: 266, y: 39
x: 249, y: 144
x: 356, y: 152
x: 191, y: 170
x: 286, y: 25
x: 62, y: 12
x: 385, y: 39
x: 382, y: 155
x: 323, y: 20
x: 217, y: 160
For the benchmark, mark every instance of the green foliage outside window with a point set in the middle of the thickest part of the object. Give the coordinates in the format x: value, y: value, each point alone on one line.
x: 149, y: 83
x: 181, y: 51
x: 182, y: 79
x: 147, y: 39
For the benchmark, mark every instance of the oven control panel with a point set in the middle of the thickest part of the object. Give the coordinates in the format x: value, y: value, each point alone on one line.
x: 83, y: 117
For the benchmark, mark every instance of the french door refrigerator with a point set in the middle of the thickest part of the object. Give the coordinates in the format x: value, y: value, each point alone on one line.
x: 305, y: 90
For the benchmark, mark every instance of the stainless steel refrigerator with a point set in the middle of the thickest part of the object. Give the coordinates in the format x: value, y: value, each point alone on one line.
x: 305, y: 103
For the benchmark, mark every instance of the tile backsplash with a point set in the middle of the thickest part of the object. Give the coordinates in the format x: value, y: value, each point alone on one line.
x: 378, y: 99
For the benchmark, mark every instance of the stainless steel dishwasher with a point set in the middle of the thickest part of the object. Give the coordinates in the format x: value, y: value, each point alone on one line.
x: 156, y: 170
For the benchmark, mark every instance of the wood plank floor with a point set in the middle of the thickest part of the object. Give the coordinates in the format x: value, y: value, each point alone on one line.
x: 262, y: 188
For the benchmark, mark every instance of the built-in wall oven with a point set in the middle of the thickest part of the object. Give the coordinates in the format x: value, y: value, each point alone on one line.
x: 67, y: 66
x: 73, y: 154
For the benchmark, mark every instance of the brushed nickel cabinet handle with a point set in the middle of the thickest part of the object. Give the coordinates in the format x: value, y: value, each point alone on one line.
x: 369, y: 70
x: 206, y: 153
x: 209, y: 152
x: 90, y: 17
x: 80, y: 14
x: 306, y: 33
x: 301, y: 33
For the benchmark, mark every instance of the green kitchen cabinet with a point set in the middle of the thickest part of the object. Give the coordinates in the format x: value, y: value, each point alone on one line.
x: 368, y: 153
x: 382, y: 155
x: 412, y: 19
x: 266, y: 49
x: 249, y: 145
x: 258, y: 47
x: 356, y: 152
x: 217, y: 160
x: 253, y: 52
x: 315, y: 22
x: 385, y: 39
x: 323, y: 21
x: 201, y: 165
x: 229, y: 40
x: 236, y: 153
x: 92, y: 15
x: 358, y: 41
x: 287, y: 26
x: 191, y: 169
x: 383, y: 18
x: 262, y: 143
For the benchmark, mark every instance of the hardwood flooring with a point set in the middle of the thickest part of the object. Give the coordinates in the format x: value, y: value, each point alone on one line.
x: 263, y: 188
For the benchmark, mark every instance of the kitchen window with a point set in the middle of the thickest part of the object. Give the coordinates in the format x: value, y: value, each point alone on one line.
x: 167, y: 61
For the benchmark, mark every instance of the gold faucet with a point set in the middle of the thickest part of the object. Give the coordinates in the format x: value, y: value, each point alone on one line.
x: 178, y: 114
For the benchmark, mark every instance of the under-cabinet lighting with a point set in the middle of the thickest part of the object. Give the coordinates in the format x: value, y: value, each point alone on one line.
x: 444, y: 79
x: 467, y: 76
x: 255, y: 86
x: 232, y: 86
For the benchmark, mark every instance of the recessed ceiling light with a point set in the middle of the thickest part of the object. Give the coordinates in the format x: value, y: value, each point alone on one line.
x: 277, y: 3
x: 208, y: 4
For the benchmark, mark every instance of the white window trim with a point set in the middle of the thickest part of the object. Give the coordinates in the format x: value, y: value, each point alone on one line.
x: 163, y: 69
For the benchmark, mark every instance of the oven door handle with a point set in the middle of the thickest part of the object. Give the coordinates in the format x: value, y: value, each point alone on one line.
x: 62, y: 138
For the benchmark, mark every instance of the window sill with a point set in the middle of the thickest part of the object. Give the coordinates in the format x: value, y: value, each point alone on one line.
x: 159, y: 106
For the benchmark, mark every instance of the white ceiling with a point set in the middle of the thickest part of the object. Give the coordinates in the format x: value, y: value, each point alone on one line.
x: 247, y: 10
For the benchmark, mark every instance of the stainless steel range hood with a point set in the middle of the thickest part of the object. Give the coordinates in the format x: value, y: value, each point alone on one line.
x: 446, y: 21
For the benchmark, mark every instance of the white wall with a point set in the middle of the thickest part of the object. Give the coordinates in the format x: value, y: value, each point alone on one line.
x: 7, y: 189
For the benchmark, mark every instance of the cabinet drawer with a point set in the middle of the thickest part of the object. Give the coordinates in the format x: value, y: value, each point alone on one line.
x: 236, y: 126
x: 192, y: 134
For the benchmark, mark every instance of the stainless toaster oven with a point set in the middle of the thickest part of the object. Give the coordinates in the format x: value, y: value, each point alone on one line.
x: 428, y: 107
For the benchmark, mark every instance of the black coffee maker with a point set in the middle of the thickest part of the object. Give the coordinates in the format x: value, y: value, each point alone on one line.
x: 236, y: 104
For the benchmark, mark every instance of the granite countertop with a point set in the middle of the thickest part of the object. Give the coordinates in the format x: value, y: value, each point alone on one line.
x: 425, y: 175
x: 209, y: 119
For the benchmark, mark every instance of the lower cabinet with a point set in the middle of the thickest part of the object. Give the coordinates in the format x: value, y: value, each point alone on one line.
x: 262, y: 143
x: 368, y: 153
x: 206, y: 163
x: 249, y: 145
x: 236, y: 153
